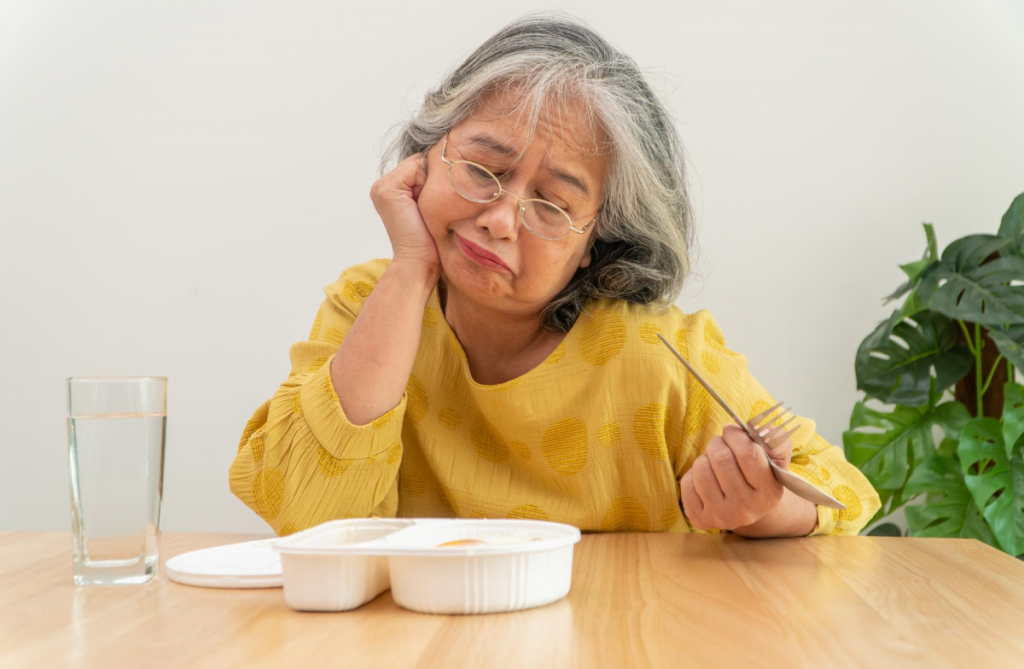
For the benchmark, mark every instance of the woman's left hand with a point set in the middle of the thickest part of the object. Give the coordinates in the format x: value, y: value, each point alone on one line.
x: 731, y: 485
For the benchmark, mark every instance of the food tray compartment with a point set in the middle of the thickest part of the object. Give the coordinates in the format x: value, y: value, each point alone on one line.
x: 320, y: 576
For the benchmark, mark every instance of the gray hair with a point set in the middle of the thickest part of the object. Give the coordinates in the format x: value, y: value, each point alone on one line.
x: 644, y: 228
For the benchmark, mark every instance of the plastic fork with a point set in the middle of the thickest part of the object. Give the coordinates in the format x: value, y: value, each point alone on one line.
x: 760, y: 430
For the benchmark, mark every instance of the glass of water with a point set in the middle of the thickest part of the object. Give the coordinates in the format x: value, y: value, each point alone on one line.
x: 116, y: 431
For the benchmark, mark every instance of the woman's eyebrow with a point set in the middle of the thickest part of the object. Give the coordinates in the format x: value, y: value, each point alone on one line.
x: 490, y: 144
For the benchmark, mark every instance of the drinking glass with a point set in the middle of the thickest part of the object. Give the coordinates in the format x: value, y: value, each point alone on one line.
x: 116, y: 431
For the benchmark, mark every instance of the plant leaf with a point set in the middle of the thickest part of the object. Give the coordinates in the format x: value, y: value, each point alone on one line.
x: 950, y: 510
x: 933, y: 247
x: 960, y: 287
x: 1012, y: 225
x: 886, y: 445
x: 1010, y: 341
x: 914, y: 269
x: 1013, y: 413
x: 885, y: 530
x: 904, y: 374
x: 997, y: 489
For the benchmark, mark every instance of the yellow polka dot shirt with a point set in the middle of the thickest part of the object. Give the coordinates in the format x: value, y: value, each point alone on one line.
x: 596, y: 436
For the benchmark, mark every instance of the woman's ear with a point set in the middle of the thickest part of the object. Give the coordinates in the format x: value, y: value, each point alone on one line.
x: 588, y: 255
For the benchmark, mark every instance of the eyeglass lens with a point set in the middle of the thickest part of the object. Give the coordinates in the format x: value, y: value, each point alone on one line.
x: 479, y: 185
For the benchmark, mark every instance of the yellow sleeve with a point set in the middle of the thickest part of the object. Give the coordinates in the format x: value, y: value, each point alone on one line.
x: 300, y: 462
x: 814, y: 459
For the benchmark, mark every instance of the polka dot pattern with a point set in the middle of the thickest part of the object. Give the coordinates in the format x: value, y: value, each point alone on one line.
x: 698, y: 408
x: 257, y: 447
x: 334, y: 336
x: 356, y: 291
x: 609, y: 435
x: 250, y: 427
x: 602, y: 337
x: 328, y: 389
x: 649, y: 429
x: 847, y: 496
x: 418, y: 403
x: 411, y: 484
x: 714, y: 339
x: 712, y: 363
x: 317, y: 322
x: 447, y: 500
x: 315, y: 364
x: 268, y: 493
x: 670, y: 516
x: 626, y: 514
x: 681, y: 343
x: 649, y: 333
x: 382, y: 421
x: 713, y: 334
x: 329, y: 465
x: 556, y: 355
x: 449, y: 418
x: 394, y: 453
x: 521, y: 449
x: 487, y: 443
x: 808, y: 474
x: 430, y: 317
x: 763, y: 405
x: 565, y: 446
x: 528, y: 511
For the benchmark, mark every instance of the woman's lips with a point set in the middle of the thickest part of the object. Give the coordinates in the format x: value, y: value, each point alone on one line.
x: 480, y: 256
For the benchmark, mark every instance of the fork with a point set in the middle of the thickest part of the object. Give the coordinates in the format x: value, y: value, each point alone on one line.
x: 760, y: 430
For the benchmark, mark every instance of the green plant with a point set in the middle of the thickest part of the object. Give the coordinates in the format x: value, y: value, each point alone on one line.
x: 944, y: 364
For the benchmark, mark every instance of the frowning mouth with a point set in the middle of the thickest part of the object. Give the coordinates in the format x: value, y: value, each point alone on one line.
x: 480, y: 255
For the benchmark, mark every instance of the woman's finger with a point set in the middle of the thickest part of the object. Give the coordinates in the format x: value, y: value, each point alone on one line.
x: 693, y: 507
x: 723, y: 461
x: 705, y: 483
x: 750, y: 457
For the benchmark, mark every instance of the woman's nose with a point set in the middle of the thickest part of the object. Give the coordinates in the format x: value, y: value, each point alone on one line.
x: 501, y: 217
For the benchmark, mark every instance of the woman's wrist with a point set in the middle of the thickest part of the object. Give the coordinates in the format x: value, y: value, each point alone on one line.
x: 794, y: 516
x: 417, y: 275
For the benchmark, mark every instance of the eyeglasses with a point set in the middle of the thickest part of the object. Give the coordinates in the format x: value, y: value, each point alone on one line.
x: 477, y: 184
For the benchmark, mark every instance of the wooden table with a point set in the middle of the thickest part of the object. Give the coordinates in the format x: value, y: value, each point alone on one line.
x: 637, y: 600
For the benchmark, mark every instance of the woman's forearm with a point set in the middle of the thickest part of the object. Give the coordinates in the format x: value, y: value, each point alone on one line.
x: 371, y: 368
x: 793, y: 517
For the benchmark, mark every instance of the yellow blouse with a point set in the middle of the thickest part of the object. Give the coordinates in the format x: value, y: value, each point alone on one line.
x: 595, y: 436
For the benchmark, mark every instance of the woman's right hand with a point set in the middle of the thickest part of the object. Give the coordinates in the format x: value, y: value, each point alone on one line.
x: 394, y: 197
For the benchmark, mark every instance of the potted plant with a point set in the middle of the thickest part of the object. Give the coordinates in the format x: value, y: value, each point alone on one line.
x: 944, y: 364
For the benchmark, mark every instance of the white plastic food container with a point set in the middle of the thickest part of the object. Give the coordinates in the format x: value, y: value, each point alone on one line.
x: 343, y: 564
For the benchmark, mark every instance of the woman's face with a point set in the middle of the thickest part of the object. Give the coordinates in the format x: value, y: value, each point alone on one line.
x: 532, y: 270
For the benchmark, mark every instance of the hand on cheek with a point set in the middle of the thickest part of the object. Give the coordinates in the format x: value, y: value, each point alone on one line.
x: 732, y: 485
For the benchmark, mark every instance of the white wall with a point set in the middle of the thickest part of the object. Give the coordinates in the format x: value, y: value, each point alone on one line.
x: 179, y: 180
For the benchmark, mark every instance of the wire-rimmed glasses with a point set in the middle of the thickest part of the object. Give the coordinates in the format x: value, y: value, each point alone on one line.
x: 478, y: 184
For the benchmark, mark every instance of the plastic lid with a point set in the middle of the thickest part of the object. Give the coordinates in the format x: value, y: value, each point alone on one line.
x: 252, y: 564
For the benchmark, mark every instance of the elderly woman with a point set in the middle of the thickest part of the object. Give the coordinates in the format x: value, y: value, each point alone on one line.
x: 504, y: 362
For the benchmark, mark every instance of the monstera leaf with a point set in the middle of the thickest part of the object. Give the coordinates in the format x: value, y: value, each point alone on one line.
x: 913, y: 270
x: 901, y: 373
x: 996, y: 480
x: 961, y: 287
x: 886, y: 446
x: 1010, y: 342
x: 992, y: 458
x: 949, y: 509
x: 1012, y: 225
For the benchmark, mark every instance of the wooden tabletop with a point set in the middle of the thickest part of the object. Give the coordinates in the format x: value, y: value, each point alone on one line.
x: 647, y: 600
